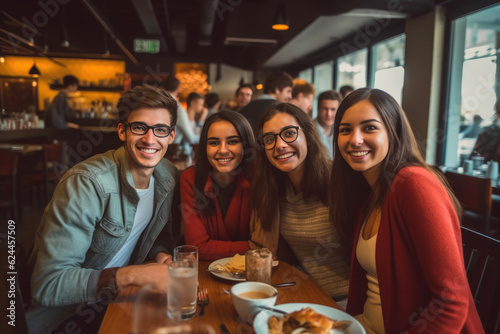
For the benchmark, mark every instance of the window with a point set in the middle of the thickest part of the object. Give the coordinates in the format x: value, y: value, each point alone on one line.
x: 474, y: 81
x: 306, y: 74
x: 323, y: 81
x: 352, y: 69
x: 388, y: 66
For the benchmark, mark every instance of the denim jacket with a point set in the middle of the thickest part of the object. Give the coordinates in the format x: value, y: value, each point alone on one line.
x: 87, y: 221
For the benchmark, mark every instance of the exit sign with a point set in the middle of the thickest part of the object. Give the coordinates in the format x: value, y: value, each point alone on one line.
x: 146, y: 45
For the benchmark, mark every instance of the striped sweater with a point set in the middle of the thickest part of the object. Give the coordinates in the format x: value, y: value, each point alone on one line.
x: 308, y: 230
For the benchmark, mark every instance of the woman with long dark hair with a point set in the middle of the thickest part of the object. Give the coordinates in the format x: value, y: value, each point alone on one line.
x: 215, y: 193
x: 290, y: 196
x: 407, y: 267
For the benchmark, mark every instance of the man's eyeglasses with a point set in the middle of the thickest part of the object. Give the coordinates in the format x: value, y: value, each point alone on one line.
x: 289, y: 134
x: 160, y: 131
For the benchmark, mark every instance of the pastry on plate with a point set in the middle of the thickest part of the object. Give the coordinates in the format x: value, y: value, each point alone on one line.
x: 304, y: 321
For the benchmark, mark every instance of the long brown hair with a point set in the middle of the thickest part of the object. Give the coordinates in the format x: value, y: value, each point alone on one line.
x: 203, y: 167
x: 269, y: 183
x: 350, y: 194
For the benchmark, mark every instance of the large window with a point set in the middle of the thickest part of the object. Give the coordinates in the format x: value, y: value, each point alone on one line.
x: 475, y: 82
x: 351, y: 69
x: 306, y: 74
x: 388, y: 66
x: 323, y: 81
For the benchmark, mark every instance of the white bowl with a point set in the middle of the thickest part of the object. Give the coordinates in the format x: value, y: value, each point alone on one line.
x: 247, y: 308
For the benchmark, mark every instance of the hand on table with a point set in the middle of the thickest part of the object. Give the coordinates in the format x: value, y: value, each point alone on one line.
x: 163, y: 258
x: 154, y: 274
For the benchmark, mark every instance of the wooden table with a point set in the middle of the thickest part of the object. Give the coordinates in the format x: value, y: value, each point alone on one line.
x: 119, y: 315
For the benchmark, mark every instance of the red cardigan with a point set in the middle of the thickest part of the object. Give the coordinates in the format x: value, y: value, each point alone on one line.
x: 216, y: 237
x: 419, y: 259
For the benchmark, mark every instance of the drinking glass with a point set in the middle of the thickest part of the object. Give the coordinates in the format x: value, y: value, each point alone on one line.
x: 182, y: 288
x: 258, y: 263
x: 186, y: 252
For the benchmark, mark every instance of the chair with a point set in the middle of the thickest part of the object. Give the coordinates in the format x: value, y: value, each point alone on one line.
x: 482, y: 263
x: 45, y: 176
x: 475, y: 195
x: 8, y: 182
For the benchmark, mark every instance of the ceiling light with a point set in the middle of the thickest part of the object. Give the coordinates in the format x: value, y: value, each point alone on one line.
x: 280, y: 19
x: 34, y: 70
x: 2, y: 57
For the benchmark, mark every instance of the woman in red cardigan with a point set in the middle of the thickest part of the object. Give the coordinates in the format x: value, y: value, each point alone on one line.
x: 407, y: 268
x: 215, y: 192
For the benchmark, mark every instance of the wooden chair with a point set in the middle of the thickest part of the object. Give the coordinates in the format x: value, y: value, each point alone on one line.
x: 475, y: 195
x: 8, y: 183
x: 482, y: 263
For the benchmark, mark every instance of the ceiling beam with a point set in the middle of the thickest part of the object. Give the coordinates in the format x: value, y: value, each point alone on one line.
x: 106, y: 27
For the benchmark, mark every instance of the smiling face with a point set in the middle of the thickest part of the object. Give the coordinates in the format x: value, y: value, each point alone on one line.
x: 284, y: 95
x: 363, y: 140
x: 326, y: 112
x: 224, y: 147
x: 287, y: 157
x: 144, y: 152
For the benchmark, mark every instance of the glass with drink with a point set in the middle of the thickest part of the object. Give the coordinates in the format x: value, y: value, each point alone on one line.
x: 182, y: 288
x: 258, y: 264
x: 186, y: 252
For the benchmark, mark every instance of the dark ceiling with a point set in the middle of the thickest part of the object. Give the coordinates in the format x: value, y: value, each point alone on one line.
x: 234, y: 32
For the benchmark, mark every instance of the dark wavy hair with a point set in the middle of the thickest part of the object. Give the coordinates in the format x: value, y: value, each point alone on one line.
x: 269, y: 183
x: 204, y: 169
x: 149, y: 97
x: 350, y: 193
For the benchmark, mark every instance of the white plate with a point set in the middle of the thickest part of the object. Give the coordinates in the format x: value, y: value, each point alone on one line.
x: 261, y: 327
x: 227, y: 276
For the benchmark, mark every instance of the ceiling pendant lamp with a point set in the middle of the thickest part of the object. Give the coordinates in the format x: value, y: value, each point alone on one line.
x: 280, y: 19
x: 34, y: 70
x: 2, y: 56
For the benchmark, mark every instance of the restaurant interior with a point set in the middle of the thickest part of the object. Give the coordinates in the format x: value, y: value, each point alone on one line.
x: 438, y: 58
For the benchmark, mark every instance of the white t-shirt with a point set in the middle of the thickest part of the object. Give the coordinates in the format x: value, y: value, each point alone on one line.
x: 143, y: 215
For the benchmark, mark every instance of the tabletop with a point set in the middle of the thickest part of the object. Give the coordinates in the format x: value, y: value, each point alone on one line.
x: 119, y: 315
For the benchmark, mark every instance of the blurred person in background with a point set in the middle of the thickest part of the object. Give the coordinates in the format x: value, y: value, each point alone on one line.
x: 196, y: 110
x: 212, y: 103
x: 303, y: 95
x: 60, y: 115
x: 488, y: 141
x: 328, y: 103
x: 185, y: 130
x: 243, y: 96
x: 277, y: 89
x: 346, y: 90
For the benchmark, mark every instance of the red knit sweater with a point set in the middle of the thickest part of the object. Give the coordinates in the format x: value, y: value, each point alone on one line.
x: 214, y: 236
x: 419, y: 259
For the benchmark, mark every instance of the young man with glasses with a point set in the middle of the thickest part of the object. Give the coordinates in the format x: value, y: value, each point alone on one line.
x: 105, y: 220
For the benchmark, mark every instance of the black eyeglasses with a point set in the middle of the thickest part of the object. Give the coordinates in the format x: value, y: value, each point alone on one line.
x: 289, y: 134
x: 160, y: 131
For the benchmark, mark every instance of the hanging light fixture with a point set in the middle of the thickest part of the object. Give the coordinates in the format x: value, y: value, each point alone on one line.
x: 65, y: 39
x: 280, y: 19
x: 2, y: 56
x: 34, y: 70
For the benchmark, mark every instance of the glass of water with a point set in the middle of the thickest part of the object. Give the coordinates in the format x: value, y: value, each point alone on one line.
x: 183, y: 283
x: 186, y: 252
